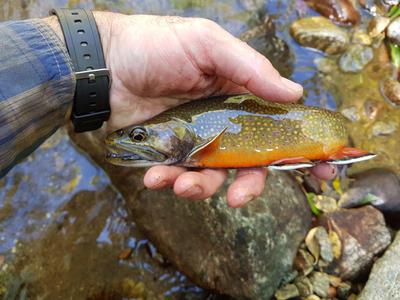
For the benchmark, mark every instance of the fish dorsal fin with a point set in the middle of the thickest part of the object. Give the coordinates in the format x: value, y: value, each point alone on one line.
x: 349, y: 155
x: 207, y: 143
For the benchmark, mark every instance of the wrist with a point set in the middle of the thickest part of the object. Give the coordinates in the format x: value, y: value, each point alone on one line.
x: 104, y: 24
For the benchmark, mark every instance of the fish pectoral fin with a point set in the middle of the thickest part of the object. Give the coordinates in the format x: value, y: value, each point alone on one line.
x: 206, y: 144
x: 291, y: 164
x: 348, y: 155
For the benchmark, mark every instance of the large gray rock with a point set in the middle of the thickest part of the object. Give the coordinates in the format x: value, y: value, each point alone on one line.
x: 384, y: 280
x: 243, y: 253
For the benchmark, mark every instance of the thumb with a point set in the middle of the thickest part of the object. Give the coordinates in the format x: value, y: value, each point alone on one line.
x: 228, y: 57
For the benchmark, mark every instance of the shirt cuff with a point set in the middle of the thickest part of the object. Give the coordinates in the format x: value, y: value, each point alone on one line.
x: 37, y: 85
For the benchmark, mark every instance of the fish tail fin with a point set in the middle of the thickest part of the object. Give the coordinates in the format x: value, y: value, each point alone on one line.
x: 349, y: 155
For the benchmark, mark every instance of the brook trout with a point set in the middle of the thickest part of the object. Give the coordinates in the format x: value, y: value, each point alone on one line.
x: 236, y: 132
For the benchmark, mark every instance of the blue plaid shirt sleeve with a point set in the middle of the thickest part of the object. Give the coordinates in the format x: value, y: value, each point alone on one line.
x: 37, y: 84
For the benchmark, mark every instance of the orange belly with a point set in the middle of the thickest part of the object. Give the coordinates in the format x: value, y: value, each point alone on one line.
x: 214, y: 157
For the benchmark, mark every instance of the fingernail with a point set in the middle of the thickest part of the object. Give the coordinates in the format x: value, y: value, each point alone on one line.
x: 192, y: 191
x: 292, y: 86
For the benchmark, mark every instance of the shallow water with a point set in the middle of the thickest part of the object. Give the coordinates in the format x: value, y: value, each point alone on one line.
x: 64, y: 229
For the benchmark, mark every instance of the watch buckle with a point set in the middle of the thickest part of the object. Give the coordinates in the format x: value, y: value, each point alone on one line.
x: 91, y: 75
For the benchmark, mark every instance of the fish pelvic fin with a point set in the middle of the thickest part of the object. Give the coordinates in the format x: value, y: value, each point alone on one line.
x: 349, y: 155
x: 207, y: 144
x: 293, y: 163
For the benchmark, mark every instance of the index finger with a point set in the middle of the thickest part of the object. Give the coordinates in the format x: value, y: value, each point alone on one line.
x: 236, y: 61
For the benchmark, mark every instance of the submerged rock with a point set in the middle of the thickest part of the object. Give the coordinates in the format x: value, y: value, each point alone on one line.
x: 339, y: 11
x: 378, y: 187
x: 377, y: 26
x: 356, y: 58
x: 384, y: 280
x: 390, y: 89
x: 243, y: 253
x: 319, y: 33
x: 393, y: 32
x: 363, y: 235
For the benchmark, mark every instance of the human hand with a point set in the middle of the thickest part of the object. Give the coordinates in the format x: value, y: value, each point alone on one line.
x: 160, y: 62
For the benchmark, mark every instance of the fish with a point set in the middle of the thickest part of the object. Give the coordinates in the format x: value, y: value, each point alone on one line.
x: 237, y: 131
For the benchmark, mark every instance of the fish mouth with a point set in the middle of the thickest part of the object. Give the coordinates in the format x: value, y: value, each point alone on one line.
x: 136, y: 156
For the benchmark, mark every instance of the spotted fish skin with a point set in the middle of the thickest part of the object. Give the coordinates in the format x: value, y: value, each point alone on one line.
x: 241, y: 131
x: 259, y: 132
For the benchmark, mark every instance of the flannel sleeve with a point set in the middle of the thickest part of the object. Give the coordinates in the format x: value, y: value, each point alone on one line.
x: 37, y: 85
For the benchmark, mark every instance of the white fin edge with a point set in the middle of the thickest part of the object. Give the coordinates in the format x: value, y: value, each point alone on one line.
x: 291, y: 166
x: 351, y: 160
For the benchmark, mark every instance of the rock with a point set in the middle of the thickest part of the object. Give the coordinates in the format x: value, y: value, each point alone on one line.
x: 393, y: 32
x: 378, y: 187
x: 263, y: 38
x: 243, y: 253
x: 304, y: 286
x: 391, y: 2
x: 377, y: 26
x: 339, y: 11
x: 384, y: 280
x: 362, y: 38
x: 313, y: 297
x: 325, y: 244
x: 363, y: 235
x: 355, y: 58
x: 325, y: 203
x: 343, y: 290
x: 390, y: 90
x: 384, y: 128
x: 319, y: 33
x: 289, y: 291
x: 320, y: 282
x: 304, y: 262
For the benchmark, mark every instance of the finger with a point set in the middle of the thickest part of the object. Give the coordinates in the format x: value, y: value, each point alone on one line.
x: 234, y: 60
x: 324, y: 171
x: 162, y: 176
x: 199, y: 185
x: 248, y: 185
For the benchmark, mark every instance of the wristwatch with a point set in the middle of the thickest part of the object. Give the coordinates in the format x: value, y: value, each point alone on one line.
x: 91, y: 105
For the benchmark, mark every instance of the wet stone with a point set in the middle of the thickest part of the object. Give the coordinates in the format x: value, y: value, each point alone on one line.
x: 304, y: 262
x: 384, y: 128
x: 304, y: 286
x: 339, y: 11
x: 393, y: 32
x: 319, y: 33
x: 343, y: 290
x: 313, y: 297
x: 355, y: 58
x: 377, y: 26
x: 325, y: 244
x: 378, y: 187
x: 384, y: 280
x: 320, y: 282
x: 289, y: 291
x: 363, y: 235
x: 325, y: 204
x: 390, y: 89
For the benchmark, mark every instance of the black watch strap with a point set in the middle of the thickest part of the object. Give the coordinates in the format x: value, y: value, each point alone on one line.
x: 91, y: 105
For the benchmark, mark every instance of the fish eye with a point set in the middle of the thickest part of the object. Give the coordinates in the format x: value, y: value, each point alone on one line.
x: 138, y: 134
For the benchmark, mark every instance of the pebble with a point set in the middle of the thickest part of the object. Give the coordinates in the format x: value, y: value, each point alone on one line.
x: 287, y: 292
x: 304, y: 286
x: 340, y: 11
x: 343, y: 290
x: 393, y: 32
x: 304, y: 262
x: 355, y: 58
x: 384, y: 128
x: 320, y: 282
x: 325, y: 204
x: 390, y: 90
